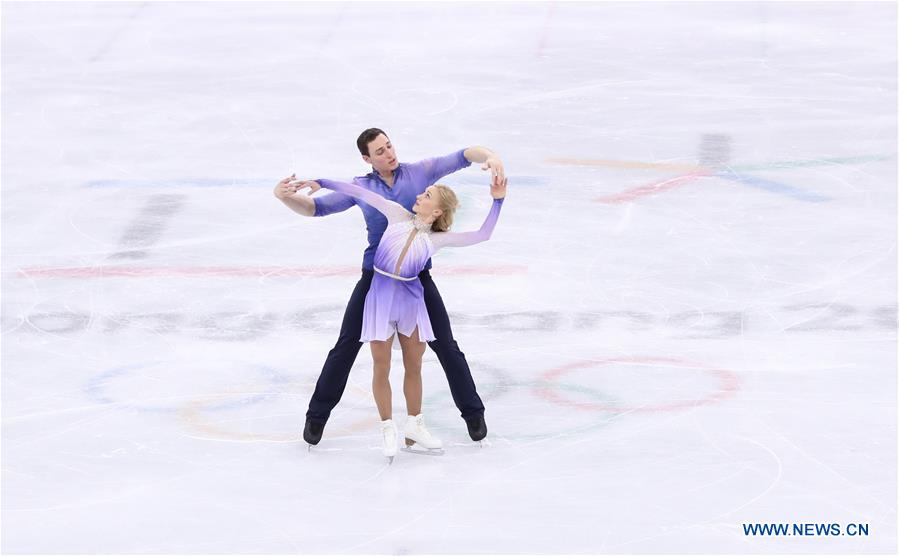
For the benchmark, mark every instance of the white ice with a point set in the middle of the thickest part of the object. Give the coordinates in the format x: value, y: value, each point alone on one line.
x: 661, y: 364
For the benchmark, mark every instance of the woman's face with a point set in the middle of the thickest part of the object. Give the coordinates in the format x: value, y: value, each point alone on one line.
x: 428, y: 204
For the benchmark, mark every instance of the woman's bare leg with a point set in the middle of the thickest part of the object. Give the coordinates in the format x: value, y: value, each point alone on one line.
x: 380, y: 382
x: 413, y: 350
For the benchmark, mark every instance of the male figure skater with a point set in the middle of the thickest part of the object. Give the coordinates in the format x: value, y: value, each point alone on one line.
x: 401, y: 183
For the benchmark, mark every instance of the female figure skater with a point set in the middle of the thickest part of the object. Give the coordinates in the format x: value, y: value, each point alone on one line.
x: 395, y: 302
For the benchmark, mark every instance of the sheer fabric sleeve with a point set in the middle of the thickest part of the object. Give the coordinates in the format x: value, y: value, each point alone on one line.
x: 332, y: 203
x: 441, y: 166
x: 393, y: 211
x: 463, y: 239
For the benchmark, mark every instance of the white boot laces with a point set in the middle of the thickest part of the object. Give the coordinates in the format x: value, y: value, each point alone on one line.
x: 420, y: 424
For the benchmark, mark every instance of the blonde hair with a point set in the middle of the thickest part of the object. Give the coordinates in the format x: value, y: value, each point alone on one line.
x: 448, y: 203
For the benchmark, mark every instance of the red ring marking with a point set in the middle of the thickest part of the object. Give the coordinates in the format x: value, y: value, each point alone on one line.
x: 729, y: 383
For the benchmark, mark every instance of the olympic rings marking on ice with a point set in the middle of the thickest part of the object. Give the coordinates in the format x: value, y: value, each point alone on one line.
x: 567, y: 431
x: 501, y: 385
x: 728, y: 384
x: 192, y: 415
x: 578, y: 388
x: 545, y: 387
x: 96, y: 389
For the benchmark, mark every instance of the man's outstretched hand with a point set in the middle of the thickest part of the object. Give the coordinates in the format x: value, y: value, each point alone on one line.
x: 312, y: 185
x: 290, y: 185
x: 495, y: 165
x: 285, y: 188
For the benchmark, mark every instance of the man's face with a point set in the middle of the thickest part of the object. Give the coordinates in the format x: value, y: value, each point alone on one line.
x: 381, y: 154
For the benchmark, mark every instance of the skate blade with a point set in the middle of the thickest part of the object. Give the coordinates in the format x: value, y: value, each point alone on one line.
x: 473, y: 444
x: 424, y: 451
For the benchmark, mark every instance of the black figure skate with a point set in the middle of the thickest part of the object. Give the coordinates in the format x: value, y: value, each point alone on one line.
x: 312, y: 432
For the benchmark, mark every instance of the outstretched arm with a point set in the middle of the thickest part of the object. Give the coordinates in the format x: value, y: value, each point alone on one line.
x: 285, y: 191
x: 463, y: 239
x: 393, y: 211
x: 438, y: 167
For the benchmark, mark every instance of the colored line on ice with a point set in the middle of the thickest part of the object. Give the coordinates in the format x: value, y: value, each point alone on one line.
x: 491, y: 391
x: 97, y: 389
x: 728, y: 385
x: 789, y: 164
x: 193, y: 414
x: 776, y: 165
x: 482, y: 178
x: 629, y: 164
x: 182, y: 182
x: 243, y: 271
x: 652, y: 188
x: 772, y: 186
x: 733, y: 173
x: 657, y: 187
x: 544, y: 34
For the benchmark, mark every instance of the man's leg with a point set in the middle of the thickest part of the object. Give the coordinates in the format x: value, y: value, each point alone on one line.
x: 332, y: 381
x: 452, y: 359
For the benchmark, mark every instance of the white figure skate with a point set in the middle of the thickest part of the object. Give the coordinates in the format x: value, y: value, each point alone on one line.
x: 388, y: 439
x: 418, y: 435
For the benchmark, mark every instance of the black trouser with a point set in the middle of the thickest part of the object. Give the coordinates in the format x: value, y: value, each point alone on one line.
x: 332, y: 381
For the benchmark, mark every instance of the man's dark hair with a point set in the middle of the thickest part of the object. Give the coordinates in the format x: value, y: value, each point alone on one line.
x: 367, y: 137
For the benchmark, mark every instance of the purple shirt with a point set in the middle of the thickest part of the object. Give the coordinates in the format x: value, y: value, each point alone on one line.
x: 409, y: 181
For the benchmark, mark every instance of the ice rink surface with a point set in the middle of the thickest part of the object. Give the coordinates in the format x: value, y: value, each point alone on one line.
x: 685, y: 321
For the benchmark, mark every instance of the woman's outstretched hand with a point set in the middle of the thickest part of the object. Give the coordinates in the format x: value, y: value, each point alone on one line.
x: 498, y: 188
x: 495, y: 165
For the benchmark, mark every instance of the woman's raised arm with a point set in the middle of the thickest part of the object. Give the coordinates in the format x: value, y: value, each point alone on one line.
x: 394, y: 212
x: 463, y: 239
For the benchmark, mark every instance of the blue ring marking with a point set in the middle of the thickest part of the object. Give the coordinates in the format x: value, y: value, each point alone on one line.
x: 95, y: 390
x: 772, y: 186
x: 94, y: 387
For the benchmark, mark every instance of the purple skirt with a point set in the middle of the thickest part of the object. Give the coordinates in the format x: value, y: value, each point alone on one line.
x: 395, y: 306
